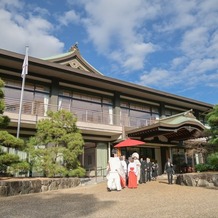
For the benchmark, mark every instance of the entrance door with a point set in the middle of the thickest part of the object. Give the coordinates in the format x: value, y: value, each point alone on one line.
x: 164, y: 156
x: 90, y: 158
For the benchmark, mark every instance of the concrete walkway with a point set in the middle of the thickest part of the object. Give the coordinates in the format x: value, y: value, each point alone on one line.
x: 92, y: 180
x: 154, y: 199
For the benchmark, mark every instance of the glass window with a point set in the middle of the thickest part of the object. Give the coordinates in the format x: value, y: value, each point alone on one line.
x: 11, y: 93
x: 89, y: 161
x: 170, y: 112
x: 87, y: 107
x: 42, y: 88
x: 35, y: 97
x: 107, y: 101
x: 65, y: 93
x: 28, y: 96
x: 106, y: 108
x: 107, y: 116
x: 29, y: 86
x: 124, y: 104
x: 155, y: 110
x: 125, y: 111
x: 87, y: 97
x: 137, y: 115
x: 80, y: 104
x: 12, y: 83
x: 140, y: 107
x: 40, y: 106
x: 64, y: 103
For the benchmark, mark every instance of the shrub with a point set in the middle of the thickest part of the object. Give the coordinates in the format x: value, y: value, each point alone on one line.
x: 79, y: 172
x: 212, y: 160
x: 22, y: 167
x: 202, y: 167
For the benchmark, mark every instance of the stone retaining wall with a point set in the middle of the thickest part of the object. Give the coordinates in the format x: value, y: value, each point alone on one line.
x: 27, y: 186
x: 198, y: 179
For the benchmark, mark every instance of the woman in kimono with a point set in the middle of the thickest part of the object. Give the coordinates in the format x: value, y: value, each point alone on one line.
x: 132, y: 174
x: 135, y: 156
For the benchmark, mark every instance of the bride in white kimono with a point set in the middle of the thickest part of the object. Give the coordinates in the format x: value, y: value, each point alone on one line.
x: 135, y: 156
x: 115, y: 171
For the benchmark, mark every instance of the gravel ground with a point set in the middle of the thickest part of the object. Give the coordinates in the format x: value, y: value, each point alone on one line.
x: 154, y: 199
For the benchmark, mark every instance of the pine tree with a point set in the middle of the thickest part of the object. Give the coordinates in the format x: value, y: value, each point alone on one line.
x: 55, y: 148
x: 212, y: 119
x: 9, y: 163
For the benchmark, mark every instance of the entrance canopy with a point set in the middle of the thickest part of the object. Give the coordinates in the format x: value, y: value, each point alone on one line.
x: 175, y: 128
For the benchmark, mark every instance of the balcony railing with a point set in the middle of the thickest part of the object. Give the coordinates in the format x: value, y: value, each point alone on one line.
x: 39, y: 110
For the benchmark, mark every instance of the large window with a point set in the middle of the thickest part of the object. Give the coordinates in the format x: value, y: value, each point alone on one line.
x: 136, y: 114
x: 88, y: 108
x: 35, y: 97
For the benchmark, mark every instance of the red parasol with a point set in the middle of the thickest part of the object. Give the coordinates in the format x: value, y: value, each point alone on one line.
x: 128, y: 143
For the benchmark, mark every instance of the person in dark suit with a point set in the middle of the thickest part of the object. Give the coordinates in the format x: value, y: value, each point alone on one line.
x: 168, y: 168
x: 148, y: 169
x: 143, y: 169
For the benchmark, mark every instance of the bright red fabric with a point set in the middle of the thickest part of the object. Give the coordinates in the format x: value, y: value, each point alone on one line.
x: 132, y: 182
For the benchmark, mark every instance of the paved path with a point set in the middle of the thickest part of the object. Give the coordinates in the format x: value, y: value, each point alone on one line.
x: 155, y: 199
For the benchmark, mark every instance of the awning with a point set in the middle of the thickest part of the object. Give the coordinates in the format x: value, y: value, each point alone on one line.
x: 129, y: 143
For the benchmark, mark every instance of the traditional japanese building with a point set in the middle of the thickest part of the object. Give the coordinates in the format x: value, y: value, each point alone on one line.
x: 108, y: 110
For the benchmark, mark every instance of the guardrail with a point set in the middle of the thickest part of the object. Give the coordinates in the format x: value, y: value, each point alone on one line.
x: 39, y: 109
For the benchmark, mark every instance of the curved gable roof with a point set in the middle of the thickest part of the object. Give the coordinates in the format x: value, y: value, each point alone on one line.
x: 73, y: 59
x: 178, y: 127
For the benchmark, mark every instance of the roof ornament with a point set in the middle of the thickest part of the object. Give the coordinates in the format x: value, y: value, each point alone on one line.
x: 189, y: 113
x: 74, y: 47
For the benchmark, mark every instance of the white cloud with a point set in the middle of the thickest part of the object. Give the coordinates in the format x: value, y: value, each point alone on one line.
x: 113, y: 22
x: 213, y: 45
x: 69, y: 17
x: 20, y: 29
x: 175, y: 15
x: 11, y: 4
x: 132, y: 57
x: 178, y: 62
x: 155, y: 77
x: 195, y: 41
x: 191, y: 29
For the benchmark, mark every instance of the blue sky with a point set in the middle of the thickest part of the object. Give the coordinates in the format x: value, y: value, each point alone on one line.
x: 168, y: 45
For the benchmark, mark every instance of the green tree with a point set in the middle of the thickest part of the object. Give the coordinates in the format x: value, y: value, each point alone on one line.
x: 55, y: 148
x: 212, y: 119
x: 212, y: 160
x: 9, y: 162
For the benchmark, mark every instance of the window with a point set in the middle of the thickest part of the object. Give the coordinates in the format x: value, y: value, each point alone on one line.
x: 87, y: 108
x: 137, y: 115
x: 89, y: 160
x: 35, y: 97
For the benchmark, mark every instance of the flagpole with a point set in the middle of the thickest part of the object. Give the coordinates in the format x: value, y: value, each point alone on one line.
x: 24, y: 72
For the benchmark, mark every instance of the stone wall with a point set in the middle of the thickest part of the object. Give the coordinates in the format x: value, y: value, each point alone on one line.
x: 27, y: 186
x: 209, y: 180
